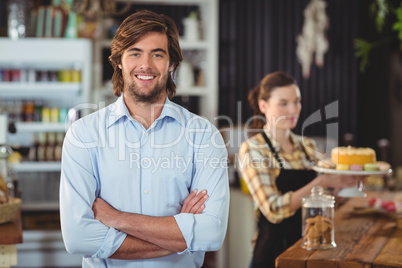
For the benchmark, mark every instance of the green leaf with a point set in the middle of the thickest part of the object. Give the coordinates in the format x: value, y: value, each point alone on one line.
x: 380, y: 8
x: 363, y: 49
x: 397, y: 26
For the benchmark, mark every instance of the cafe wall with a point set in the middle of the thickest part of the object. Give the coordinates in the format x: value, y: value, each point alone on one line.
x: 258, y: 37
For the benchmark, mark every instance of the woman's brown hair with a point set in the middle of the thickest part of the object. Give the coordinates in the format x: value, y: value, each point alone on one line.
x: 263, y: 92
x: 130, y: 30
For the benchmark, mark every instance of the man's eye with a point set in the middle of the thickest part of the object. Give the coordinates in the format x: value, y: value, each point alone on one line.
x: 157, y: 55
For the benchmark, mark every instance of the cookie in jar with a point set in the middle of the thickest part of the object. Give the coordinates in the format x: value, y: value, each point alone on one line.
x: 318, y: 220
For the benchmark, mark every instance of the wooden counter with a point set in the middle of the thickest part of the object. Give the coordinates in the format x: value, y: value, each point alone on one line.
x: 10, y: 236
x: 363, y: 240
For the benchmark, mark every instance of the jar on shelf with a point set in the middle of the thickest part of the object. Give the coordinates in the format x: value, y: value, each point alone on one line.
x: 318, y: 220
x: 18, y: 19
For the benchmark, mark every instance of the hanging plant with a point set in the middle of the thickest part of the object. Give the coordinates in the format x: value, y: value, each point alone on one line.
x: 380, y: 9
x: 312, y: 43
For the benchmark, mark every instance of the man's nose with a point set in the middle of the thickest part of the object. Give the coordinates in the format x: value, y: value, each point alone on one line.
x: 146, y: 62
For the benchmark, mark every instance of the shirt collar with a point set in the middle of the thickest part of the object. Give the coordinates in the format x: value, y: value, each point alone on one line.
x: 118, y: 110
x: 171, y: 109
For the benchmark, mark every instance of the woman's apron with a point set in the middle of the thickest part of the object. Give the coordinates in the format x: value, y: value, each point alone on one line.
x: 273, y: 239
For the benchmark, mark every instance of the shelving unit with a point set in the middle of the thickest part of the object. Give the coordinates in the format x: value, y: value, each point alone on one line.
x: 43, y: 55
x: 39, y: 181
x: 207, y: 45
x: 48, y: 54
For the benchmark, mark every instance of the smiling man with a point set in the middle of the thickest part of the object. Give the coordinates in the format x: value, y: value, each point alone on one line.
x: 144, y: 182
x: 145, y: 68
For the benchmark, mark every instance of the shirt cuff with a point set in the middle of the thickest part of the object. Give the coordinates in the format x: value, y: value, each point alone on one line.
x: 286, y: 204
x: 185, y: 221
x: 111, y: 243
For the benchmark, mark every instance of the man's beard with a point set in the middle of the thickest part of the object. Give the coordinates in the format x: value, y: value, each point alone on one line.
x: 150, y: 97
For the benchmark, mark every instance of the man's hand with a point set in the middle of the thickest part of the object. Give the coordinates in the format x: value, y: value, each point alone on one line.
x: 161, y: 234
x: 104, y: 212
x: 194, y: 203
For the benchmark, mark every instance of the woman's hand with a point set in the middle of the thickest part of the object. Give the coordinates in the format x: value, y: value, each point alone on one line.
x: 339, y: 181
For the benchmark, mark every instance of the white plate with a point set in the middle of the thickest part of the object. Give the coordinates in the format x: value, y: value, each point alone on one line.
x: 352, y: 192
x: 349, y: 172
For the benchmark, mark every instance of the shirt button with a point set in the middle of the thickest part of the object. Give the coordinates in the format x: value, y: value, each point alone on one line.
x: 146, y: 133
x: 146, y: 191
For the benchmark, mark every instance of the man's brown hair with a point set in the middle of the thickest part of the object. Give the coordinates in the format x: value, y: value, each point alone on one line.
x: 131, y: 29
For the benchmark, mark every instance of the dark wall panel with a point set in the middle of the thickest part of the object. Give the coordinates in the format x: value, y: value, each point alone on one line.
x: 259, y: 36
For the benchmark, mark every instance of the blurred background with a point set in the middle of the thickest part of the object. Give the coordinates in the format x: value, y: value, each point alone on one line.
x: 54, y: 56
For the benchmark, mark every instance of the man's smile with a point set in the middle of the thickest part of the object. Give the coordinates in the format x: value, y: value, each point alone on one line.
x: 145, y: 77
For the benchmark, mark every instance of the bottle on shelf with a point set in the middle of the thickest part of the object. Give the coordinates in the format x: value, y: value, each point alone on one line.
x: 31, y: 76
x: 41, y: 151
x: 6, y: 75
x: 29, y: 111
x: 63, y: 115
x: 33, y: 150
x: 15, y: 75
x: 53, y: 77
x: 54, y: 115
x: 38, y: 111
x: 59, y: 145
x: 76, y: 73
x: 44, y: 76
x: 50, y: 146
x: 45, y: 115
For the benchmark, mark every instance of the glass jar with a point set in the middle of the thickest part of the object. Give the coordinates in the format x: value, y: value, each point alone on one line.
x: 18, y: 19
x: 318, y: 220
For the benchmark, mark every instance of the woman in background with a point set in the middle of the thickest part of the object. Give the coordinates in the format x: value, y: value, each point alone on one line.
x: 276, y: 166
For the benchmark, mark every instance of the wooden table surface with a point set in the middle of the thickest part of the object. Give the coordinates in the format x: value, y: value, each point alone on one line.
x: 11, y: 232
x: 363, y: 238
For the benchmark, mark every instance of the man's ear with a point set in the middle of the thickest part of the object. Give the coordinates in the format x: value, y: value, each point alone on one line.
x: 263, y: 105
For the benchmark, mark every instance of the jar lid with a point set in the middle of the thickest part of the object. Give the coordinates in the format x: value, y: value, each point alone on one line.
x: 318, y: 198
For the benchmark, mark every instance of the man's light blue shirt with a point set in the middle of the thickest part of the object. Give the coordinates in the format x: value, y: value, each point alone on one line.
x: 151, y: 171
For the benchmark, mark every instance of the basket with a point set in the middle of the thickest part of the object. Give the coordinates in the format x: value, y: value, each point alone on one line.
x: 8, y: 211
